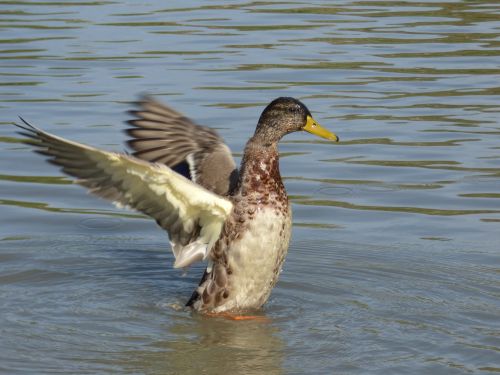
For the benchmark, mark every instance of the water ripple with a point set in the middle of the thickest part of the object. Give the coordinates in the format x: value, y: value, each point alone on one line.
x: 393, y: 261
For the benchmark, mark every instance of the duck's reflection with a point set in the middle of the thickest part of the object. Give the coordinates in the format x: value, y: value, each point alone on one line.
x: 201, y: 345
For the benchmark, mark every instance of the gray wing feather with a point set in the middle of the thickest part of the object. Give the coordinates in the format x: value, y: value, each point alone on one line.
x: 178, y: 205
x: 162, y: 135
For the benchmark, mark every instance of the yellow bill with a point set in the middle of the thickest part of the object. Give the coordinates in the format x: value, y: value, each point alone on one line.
x: 314, y: 128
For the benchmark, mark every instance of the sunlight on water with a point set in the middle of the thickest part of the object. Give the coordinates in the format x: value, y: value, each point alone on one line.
x: 394, y: 264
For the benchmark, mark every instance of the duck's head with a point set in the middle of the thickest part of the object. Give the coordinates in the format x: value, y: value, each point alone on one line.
x: 286, y: 115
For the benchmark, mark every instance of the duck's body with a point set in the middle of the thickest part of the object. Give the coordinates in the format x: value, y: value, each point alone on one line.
x: 237, y: 220
x: 245, y: 264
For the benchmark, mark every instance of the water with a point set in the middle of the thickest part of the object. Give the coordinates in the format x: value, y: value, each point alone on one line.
x: 394, y: 265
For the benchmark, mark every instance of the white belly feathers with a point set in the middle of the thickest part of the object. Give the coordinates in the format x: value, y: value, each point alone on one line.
x: 256, y: 260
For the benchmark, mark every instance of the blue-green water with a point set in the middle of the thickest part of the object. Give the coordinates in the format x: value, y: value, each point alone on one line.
x: 394, y: 265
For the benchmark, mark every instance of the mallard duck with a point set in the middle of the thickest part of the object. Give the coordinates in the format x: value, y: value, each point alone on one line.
x: 184, y: 176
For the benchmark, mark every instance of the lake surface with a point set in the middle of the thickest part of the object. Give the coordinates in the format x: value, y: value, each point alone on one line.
x: 394, y: 265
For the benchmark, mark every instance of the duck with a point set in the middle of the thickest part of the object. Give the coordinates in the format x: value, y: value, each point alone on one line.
x: 183, y: 175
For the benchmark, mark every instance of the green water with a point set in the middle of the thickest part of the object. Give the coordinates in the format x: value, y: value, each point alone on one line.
x: 394, y: 265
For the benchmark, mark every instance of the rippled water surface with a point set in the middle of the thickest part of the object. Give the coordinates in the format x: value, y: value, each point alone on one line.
x: 394, y: 266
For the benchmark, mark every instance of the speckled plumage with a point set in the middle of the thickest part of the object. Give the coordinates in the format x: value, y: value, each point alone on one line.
x: 238, y: 220
x: 247, y: 258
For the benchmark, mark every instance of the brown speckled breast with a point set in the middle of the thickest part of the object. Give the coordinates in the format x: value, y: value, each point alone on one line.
x: 249, y: 254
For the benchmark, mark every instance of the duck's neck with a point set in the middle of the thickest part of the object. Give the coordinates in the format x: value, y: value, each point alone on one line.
x: 259, y: 173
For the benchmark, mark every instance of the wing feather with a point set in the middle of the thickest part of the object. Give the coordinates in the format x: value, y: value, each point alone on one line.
x: 163, y: 135
x: 192, y: 215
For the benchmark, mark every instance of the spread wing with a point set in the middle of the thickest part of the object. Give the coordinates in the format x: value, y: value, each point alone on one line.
x: 162, y: 135
x: 192, y: 215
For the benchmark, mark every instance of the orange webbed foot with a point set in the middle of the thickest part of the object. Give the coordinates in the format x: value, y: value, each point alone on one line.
x: 233, y: 316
